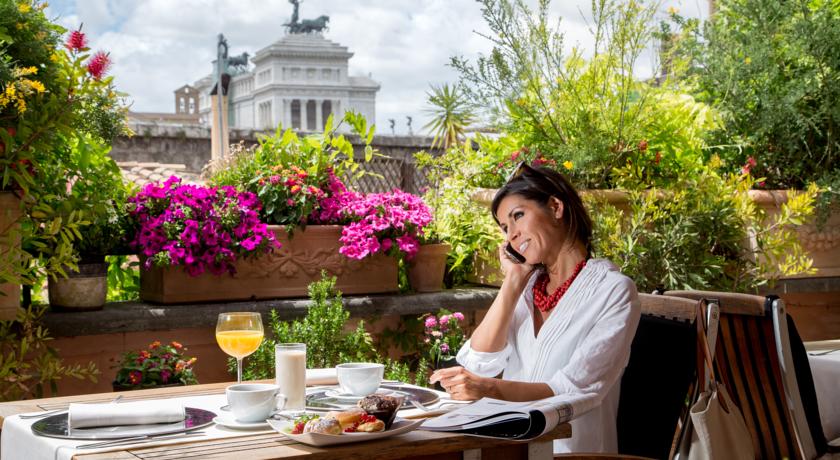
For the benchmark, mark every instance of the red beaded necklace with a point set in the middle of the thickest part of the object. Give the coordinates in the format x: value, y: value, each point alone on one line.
x: 545, y: 302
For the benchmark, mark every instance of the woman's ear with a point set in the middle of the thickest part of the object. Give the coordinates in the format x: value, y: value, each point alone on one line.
x: 556, y: 207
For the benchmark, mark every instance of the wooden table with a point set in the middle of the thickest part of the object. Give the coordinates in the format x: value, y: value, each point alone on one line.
x: 414, y: 445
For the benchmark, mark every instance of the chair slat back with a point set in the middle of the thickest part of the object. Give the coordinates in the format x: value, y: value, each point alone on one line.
x: 658, y: 377
x: 751, y: 366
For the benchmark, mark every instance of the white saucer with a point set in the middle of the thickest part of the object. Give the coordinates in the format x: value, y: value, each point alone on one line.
x: 337, y: 393
x: 230, y: 422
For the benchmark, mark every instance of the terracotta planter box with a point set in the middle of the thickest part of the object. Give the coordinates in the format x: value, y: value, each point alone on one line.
x: 9, y: 225
x: 426, y: 270
x: 284, y: 273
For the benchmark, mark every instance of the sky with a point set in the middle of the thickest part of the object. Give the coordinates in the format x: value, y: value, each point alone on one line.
x: 405, y: 45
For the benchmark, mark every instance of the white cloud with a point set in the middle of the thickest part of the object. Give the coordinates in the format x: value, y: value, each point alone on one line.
x: 159, y: 45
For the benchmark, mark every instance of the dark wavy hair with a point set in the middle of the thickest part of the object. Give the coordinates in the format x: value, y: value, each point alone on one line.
x: 540, y: 184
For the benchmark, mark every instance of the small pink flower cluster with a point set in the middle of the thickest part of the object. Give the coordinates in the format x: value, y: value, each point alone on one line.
x: 444, y: 334
x: 201, y: 228
x: 377, y: 222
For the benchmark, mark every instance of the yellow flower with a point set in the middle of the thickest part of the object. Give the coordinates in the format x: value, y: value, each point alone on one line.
x: 672, y: 10
x: 568, y: 165
x: 36, y: 85
x: 24, y: 8
x: 747, y: 60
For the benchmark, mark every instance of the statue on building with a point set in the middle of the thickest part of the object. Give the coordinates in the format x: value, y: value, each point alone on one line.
x: 305, y: 26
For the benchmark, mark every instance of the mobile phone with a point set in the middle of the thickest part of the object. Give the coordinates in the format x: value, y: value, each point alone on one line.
x: 514, y: 256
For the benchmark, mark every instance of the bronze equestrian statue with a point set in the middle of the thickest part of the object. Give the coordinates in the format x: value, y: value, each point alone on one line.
x: 305, y: 26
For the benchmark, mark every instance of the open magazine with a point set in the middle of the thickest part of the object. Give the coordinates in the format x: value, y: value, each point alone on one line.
x: 513, y: 420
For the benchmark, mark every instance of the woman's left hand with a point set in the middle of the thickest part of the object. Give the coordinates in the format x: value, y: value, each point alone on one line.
x: 462, y: 384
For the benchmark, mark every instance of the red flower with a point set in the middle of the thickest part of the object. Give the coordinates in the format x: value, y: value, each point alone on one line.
x: 76, y: 41
x: 658, y: 157
x: 98, y: 65
x: 643, y: 145
x: 135, y: 377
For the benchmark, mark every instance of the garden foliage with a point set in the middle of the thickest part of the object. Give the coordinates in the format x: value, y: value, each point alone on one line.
x: 29, y: 367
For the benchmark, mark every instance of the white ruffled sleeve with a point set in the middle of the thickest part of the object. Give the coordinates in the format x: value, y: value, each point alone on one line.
x: 485, y: 364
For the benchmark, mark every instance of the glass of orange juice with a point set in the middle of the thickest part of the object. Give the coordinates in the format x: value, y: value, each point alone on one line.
x: 239, y: 334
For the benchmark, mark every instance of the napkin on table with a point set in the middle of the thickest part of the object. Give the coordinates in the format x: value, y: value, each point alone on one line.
x: 130, y: 413
x: 321, y: 376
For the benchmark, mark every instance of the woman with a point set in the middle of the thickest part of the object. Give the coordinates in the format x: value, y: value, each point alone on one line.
x: 562, y: 323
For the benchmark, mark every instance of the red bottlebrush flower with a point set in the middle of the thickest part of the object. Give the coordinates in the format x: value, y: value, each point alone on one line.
x: 658, y: 157
x: 98, y: 65
x: 76, y: 41
x: 643, y: 145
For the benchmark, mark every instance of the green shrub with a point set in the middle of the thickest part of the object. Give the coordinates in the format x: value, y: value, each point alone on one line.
x: 322, y: 330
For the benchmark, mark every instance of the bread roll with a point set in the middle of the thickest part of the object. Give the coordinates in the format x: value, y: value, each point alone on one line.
x: 323, y: 425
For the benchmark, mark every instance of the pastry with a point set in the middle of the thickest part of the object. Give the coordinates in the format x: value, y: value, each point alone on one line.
x: 347, y: 418
x: 324, y: 425
x: 381, y: 406
x: 371, y: 427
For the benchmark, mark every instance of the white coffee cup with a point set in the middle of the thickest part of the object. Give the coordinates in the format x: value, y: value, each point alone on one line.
x: 254, y: 402
x: 359, y: 379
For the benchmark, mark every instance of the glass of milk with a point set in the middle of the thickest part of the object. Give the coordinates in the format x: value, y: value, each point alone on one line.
x: 290, y: 372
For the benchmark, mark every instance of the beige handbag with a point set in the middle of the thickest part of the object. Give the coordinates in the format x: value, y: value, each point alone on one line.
x: 717, y: 427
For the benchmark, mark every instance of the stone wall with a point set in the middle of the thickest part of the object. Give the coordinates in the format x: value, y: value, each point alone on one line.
x: 190, y: 145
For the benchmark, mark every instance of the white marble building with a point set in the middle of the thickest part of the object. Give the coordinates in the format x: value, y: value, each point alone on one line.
x: 298, y: 81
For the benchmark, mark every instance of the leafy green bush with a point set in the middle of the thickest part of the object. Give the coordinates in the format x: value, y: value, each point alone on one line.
x: 697, y: 234
x: 773, y: 69
x: 269, y: 169
x: 322, y: 330
x: 28, y: 365
x: 612, y: 128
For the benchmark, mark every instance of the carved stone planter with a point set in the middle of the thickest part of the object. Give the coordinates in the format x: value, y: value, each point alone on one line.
x: 283, y: 273
x: 9, y: 246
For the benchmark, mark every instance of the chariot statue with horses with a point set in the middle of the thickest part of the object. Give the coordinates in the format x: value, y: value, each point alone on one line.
x: 305, y: 26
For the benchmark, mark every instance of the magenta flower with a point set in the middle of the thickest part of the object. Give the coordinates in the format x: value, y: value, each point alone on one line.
x: 76, y: 41
x: 200, y: 228
x: 458, y: 315
x: 98, y: 65
x: 431, y: 322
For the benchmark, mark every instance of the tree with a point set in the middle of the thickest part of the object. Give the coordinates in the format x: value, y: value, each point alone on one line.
x: 451, y: 113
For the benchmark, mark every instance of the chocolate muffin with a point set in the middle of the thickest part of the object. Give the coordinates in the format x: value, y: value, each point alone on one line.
x: 381, y: 406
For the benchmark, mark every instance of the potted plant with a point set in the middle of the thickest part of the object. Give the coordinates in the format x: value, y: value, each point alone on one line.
x: 289, y: 177
x: 51, y: 95
x: 157, y: 366
x: 444, y: 336
x: 96, y: 192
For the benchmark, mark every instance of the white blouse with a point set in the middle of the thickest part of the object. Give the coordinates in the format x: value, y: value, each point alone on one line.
x: 582, y: 348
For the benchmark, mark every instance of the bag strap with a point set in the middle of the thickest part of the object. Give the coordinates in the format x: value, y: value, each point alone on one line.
x: 705, y: 360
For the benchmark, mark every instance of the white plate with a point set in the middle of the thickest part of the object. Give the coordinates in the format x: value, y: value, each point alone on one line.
x: 399, y: 426
x: 230, y: 422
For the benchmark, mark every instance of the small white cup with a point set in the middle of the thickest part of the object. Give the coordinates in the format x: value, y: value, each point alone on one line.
x: 254, y: 402
x: 359, y: 379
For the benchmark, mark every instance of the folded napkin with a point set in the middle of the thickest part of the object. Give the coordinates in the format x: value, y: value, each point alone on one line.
x: 130, y: 413
x: 322, y: 376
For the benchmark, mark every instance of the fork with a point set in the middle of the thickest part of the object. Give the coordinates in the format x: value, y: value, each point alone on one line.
x: 58, y: 411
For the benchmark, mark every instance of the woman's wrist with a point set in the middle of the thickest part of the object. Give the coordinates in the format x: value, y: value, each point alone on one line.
x: 491, y: 387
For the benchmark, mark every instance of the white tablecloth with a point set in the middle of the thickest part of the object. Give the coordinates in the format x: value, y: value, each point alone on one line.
x: 19, y: 443
x: 826, y: 371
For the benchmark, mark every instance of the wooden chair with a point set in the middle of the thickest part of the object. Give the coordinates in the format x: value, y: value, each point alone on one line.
x: 658, y: 377
x: 754, y: 353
